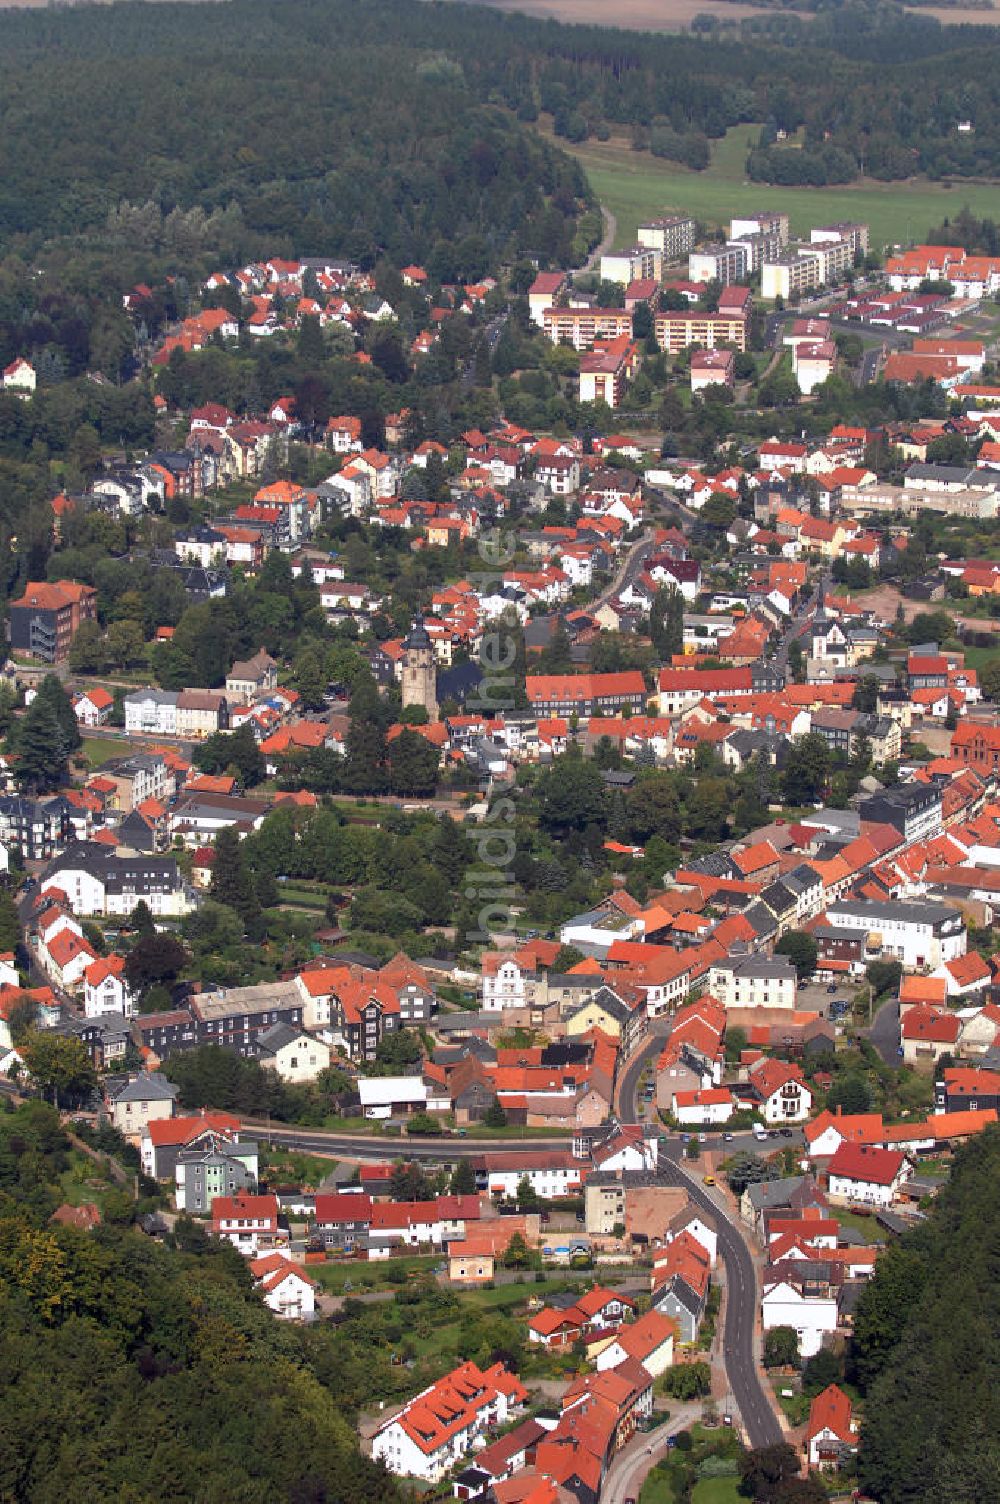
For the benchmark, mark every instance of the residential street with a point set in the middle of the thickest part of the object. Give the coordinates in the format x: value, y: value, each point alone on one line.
x: 754, y: 1407
x: 628, y: 1471
x: 755, y: 1411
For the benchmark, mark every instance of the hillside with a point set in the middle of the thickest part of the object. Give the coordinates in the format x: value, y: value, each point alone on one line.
x: 927, y: 1338
x: 140, y: 1372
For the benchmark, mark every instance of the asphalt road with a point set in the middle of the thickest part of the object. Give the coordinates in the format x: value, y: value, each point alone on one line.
x: 628, y: 1471
x: 628, y: 1085
x: 884, y: 1032
x: 759, y: 1420
x: 366, y: 1146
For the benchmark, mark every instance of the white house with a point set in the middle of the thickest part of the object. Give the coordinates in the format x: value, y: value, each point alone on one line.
x: 754, y: 982
x: 292, y: 1053
x: 106, y: 988
x: 691, y: 1221
x: 550, y: 1173
x: 867, y: 1176
x: 93, y: 707
x: 504, y: 983
x: 286, y: 1289
x: 444, y: 1422
x: 795, y: 1296
x: 783, y: 1095
x: 649, y: 1341
x: 19, y: 378
x: 702, y: 1108
x: 151, y: 712
x: 250, y: 1223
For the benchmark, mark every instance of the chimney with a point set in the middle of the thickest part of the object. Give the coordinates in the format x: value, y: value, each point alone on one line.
x: 840, y: 1110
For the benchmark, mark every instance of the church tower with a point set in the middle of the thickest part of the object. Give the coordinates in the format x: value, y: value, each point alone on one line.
x: 419, y: 671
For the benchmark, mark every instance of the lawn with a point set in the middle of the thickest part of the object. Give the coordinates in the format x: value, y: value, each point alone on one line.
x: 86, y: 1180
x: 716, y: 1491
x: 290, y: 1166
x: 635, y: 186
x: 657, y: 1489
x: 98, y: 749
x: 866, y: 1226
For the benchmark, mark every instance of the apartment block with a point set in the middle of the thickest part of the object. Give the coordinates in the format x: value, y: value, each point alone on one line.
x: 672, y: 236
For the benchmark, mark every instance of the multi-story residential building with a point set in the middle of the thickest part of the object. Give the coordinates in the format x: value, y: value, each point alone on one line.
x: 606, y: 371
x: 859, y: 1174
x: 440, y: 1425
x: 856, y: 235
x: 719, y: 263
x: 712, y: 368
x: 106, y: 988
x: 580, y: 327
x: 768, y: 222
x: 914, y: 809
x: 672, y: 235
x: 48, y: 616
x: 147, y: 1098
x: 342, y: 1221
x: 201, y: 712
x: 235, y: 1016
x: 222, y: 1166
x: 834, y: 256
x: 585, y: 694
x: 249, y: 680
x: 130, y: 781
x: 920, y: 933
x: 633, y: 265
x: 151, y: 712
x: 97, y: 882
x: 250, y: 1223
x: 544, y: 293
x: 754, y: 982
x: 788, y: 274
x: 37, y: 828
x: 675, y: 331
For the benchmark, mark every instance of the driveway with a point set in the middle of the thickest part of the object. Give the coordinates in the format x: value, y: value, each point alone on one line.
x: 884, y: 1032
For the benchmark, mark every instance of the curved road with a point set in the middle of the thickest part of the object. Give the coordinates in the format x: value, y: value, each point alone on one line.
x: 759, y: 1420
x: 758, y: 1417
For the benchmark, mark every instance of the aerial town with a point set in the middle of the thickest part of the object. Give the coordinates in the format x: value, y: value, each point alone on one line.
x: 539, y: 881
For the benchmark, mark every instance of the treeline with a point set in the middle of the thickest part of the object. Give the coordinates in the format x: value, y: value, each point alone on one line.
x: 143, y: 1372
x: 926, y: 1348
x: 360, y: 130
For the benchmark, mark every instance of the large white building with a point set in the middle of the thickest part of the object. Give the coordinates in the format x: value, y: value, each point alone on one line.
x: 921, y: 934
x: 442, y: 1424
x: 754, y: 982
x: 151, y: 712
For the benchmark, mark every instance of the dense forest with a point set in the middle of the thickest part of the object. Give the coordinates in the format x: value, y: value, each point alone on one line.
x: 927, y: 1347
x: 359, y: 128
x: 142, y: 1372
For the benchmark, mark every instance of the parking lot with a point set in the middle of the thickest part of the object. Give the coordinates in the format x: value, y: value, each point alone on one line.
x: 817, y: 997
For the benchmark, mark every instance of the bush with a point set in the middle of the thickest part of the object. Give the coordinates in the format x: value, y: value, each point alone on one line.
x: 718, y: 1467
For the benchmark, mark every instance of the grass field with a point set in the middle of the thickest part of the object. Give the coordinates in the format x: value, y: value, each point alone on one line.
x: 676, y: 15
x: 98, y: 749
x: 635, y: 186
x: 716, y: 1491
